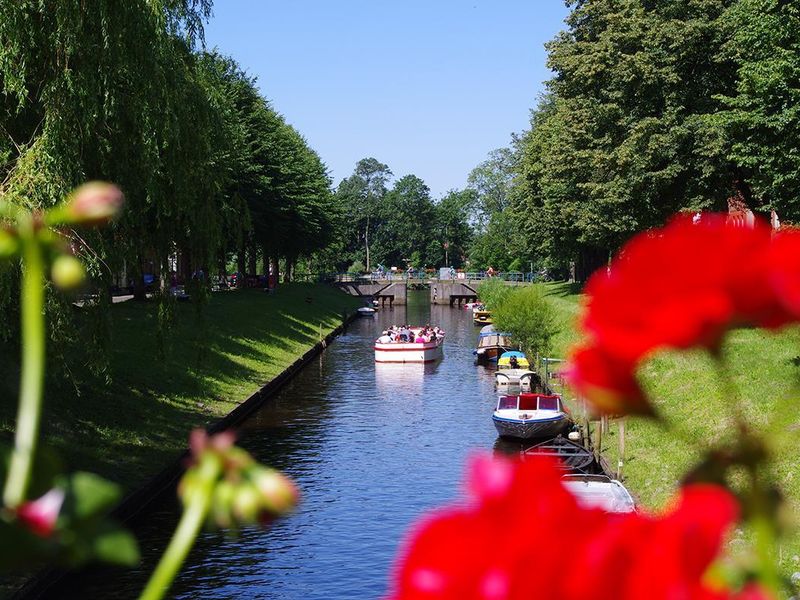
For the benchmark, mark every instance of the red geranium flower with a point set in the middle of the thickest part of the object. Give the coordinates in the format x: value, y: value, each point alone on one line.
x: 608, y: 383
x: 523, y: 536
x: 681, y: 286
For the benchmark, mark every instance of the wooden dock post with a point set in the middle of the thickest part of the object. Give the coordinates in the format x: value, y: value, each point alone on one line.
x: 621, y: 458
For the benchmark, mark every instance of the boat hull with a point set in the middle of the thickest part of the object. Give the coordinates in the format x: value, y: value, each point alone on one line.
x: 408, y: 353
x: 489, y: 353
x: 527, y: 429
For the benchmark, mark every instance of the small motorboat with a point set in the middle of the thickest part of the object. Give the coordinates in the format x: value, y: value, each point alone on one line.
x: 366, y: 311
x: 572, y: 457
x: 600, y: 491
x: 513, y: 359
x: 491, y: 344
x: 527, y: 416
x: 409, y: 352
x: 482, y: 317
x: 513, y: 369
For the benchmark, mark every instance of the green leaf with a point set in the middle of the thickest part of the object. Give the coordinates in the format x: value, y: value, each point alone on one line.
x: 88, y: 495
x: 116, y: 546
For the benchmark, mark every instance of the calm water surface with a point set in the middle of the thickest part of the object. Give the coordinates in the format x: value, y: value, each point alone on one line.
x: 371, y: 446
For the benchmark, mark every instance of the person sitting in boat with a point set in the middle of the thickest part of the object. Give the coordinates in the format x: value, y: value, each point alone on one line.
x: 419, y: 339
x: 385, y: 339
x: 513, y: 362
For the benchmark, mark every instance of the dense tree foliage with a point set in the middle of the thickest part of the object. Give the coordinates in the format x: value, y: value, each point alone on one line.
x: 383, y: 226
x: 121, y: 92
x: 654, y: 108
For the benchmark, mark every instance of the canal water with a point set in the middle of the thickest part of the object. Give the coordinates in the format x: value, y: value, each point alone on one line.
x: 371, y: 447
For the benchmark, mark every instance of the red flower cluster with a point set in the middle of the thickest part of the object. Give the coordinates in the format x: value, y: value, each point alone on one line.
x: 681, y: 286
x: 524, y: 536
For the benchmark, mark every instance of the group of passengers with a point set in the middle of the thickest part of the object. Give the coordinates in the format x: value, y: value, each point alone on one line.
x: 404, y: 334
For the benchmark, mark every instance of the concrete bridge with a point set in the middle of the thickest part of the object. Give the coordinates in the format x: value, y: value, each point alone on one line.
x: 442, y: 291
x: 385, y: 292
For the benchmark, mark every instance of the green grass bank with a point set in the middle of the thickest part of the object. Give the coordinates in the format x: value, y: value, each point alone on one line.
x: 687, y: 391
x: 131, y: 428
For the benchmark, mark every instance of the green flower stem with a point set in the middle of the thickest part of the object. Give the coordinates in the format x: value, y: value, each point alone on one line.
x: 33, y: 364
x: 195, y: 513
x: 765, y: 534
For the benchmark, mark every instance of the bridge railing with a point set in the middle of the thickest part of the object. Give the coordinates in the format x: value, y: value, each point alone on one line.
x: 417, y: 275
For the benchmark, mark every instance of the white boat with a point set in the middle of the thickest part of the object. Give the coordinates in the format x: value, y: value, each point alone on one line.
x: 409, y: 352
x: 527, y: 416
x: 600, y: 491
x: 526, y: 380
x: 366, y: 311
x: 513, y: 369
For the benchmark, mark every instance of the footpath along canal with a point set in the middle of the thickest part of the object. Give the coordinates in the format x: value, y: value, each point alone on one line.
x: 371, y: 447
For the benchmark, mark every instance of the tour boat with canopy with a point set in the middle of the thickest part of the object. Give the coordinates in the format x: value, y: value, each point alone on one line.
x: 491, y: 344
x: 409, y: 352
x: 527, y: 416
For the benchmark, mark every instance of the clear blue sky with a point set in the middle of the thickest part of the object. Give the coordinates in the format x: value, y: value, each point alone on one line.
x: 427, y: 87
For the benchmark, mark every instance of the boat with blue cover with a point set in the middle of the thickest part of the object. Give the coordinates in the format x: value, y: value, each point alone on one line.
x: 513, y: 369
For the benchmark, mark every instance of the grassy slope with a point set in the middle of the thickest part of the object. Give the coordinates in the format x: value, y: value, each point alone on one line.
x: 128, y: 430
x: 686, y: 390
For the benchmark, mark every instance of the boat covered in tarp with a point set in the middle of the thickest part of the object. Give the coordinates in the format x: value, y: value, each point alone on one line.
x: 492, y: 344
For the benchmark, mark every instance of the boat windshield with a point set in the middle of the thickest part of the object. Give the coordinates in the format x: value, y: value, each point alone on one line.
x: 527, y: 402
x: 507, y: 403
x: 548, y: 403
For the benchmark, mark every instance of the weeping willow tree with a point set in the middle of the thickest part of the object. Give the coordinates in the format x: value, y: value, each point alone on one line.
x: 119, y: 91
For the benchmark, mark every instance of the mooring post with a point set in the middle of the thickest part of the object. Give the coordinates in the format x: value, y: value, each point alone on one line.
x: 621, y: 460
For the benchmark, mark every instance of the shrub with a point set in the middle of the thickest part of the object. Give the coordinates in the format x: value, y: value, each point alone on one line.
x: 529, y: 317
x: 492, y: 291
x: 357, y: 267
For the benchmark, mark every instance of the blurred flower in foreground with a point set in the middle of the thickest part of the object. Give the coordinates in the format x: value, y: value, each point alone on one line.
x: 40, y: 515
x: 93, y: 203
x: 684, y: 286
x: 242, y: 491
x: 523, y: 536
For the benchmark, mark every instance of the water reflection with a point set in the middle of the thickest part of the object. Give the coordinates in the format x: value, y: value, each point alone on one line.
x: 371, y: 448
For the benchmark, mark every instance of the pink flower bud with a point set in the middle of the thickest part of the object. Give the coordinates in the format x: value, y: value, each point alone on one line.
x: 40, y: 515
x: 94, y: 203
x: 279, y: 494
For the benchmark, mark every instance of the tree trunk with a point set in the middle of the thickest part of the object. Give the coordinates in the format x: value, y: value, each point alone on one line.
x: 275, y: 270
x: 588, y: 261
x: 139, y: 292
x: 366, y: 242
x: 251, y: 259
x: 287, y: 276
x: 240, y: 261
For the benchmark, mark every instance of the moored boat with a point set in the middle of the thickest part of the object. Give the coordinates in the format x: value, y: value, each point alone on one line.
x: 409, y: 352
x: 600, y: 491
x: 513, y: 369
x: 527, y: 416
x: 491, y: 344
x: 482, y: 317
x: 366, y: 311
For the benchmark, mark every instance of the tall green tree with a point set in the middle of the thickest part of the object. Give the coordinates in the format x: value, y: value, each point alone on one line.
x: 360, y: 197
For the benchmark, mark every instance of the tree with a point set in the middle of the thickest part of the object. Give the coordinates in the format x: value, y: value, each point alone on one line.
x: 761, y: 114
x: 492, y: 181
x: 360, y: 195
x: 623, y: 138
